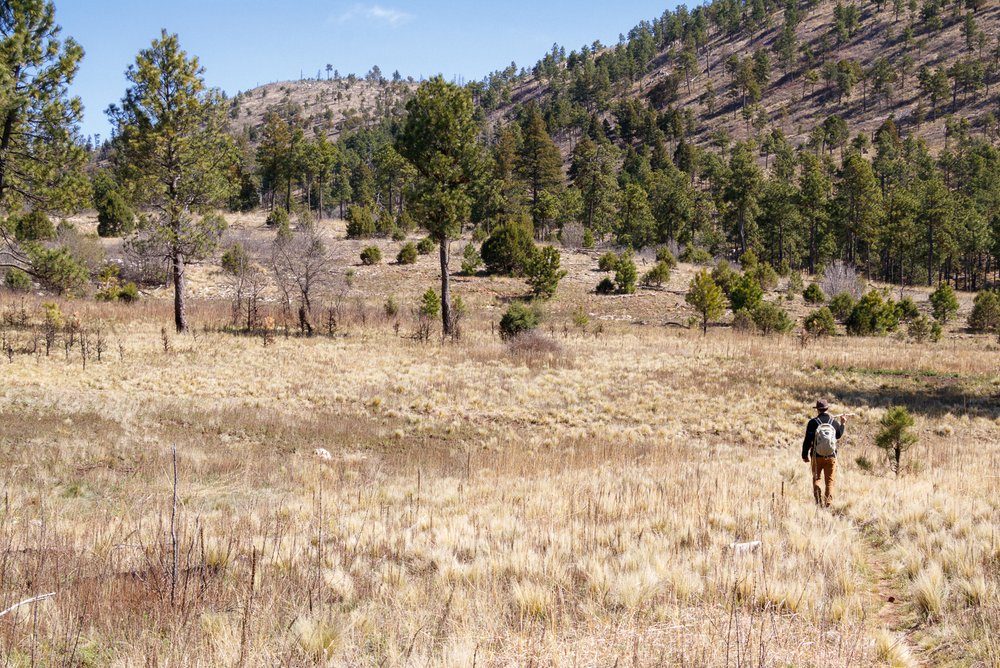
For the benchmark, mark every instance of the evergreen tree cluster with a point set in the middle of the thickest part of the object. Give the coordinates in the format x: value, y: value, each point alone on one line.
x: 586, y: 154
x: 603, y: 153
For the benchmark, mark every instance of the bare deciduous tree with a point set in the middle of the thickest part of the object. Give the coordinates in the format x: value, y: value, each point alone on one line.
x: 301, y: 262
x: 841, y: 277
x: 247, y: 279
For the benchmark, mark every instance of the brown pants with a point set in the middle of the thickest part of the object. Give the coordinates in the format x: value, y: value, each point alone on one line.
x: 823, y: 467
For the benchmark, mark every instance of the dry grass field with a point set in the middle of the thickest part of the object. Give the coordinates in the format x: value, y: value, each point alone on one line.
x: 572, y: 504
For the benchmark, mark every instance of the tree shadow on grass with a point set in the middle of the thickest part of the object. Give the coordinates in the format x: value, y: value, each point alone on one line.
x: 512, y: 299
x: 934, y: 398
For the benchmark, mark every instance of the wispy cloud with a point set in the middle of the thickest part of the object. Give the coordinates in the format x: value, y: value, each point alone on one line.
x: 387, y: 14
x: 374, y: 13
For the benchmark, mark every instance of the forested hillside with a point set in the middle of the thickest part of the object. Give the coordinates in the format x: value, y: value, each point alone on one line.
x: 745, y: 68
x: 806, y: 131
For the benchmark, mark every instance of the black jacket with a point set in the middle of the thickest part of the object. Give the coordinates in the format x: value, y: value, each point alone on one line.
x: 822, y: 418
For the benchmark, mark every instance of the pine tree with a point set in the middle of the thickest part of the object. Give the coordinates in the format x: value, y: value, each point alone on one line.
x: 499, y: 194
x: 846, y: 19
x: 391, y: 174
x: 274, y: 154
x: 341, y: 186
x: 888, y: 164
x: 935, y: 220
x: 439, y: 141
x: 786, y: 46
x: 835, y: 132
x: 975, y: 239
x: 846, y: 74
x: 543, y: 272
x: 780, y: 223
x: 944, y: 303
x: 742, y: 193
x: 636, y: 226
x: 969, y: 30
x: 897, y: 234
x: 812, y: 199
x: 41, y: 155
x: 593, y: 175
x: 114, y: 216
x: 362, y: 183
x: 173, y: 148
x: 539, y: 162
x: 325, y: 157
x: 706, y: 297
x: 671, y: 201
x: 857, y: 205
x: 881, y: 77
x: 933, y: 84
x: 687, y: 62
x: 305, y: 162
x: 895, y: 436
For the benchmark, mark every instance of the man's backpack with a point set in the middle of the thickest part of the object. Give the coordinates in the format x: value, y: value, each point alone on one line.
x: 825, y: 443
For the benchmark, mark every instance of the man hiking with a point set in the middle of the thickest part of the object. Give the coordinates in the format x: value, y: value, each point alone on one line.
x: 820, y: 447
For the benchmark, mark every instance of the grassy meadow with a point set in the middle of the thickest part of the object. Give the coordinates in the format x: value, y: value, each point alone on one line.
x: 571, y: 503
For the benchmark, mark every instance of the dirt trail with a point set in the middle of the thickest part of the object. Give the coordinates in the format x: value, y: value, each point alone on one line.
x: 885, y: 589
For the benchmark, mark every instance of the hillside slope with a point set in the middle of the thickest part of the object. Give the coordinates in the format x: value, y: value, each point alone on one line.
x: 796, y: 107
x: 332, y: 106
x: 797, y: 100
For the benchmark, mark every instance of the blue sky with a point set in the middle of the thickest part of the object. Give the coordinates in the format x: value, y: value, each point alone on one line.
x: 245, y: 43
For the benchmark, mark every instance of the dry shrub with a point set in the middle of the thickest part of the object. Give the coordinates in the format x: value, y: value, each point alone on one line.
x: 533, y: 347
x: 572, y: 235
x: 143, y: 270
x: 841, y: 277
x: 86, y: 250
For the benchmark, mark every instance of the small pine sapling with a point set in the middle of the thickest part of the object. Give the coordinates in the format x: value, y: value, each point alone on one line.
x: 895, y: 437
